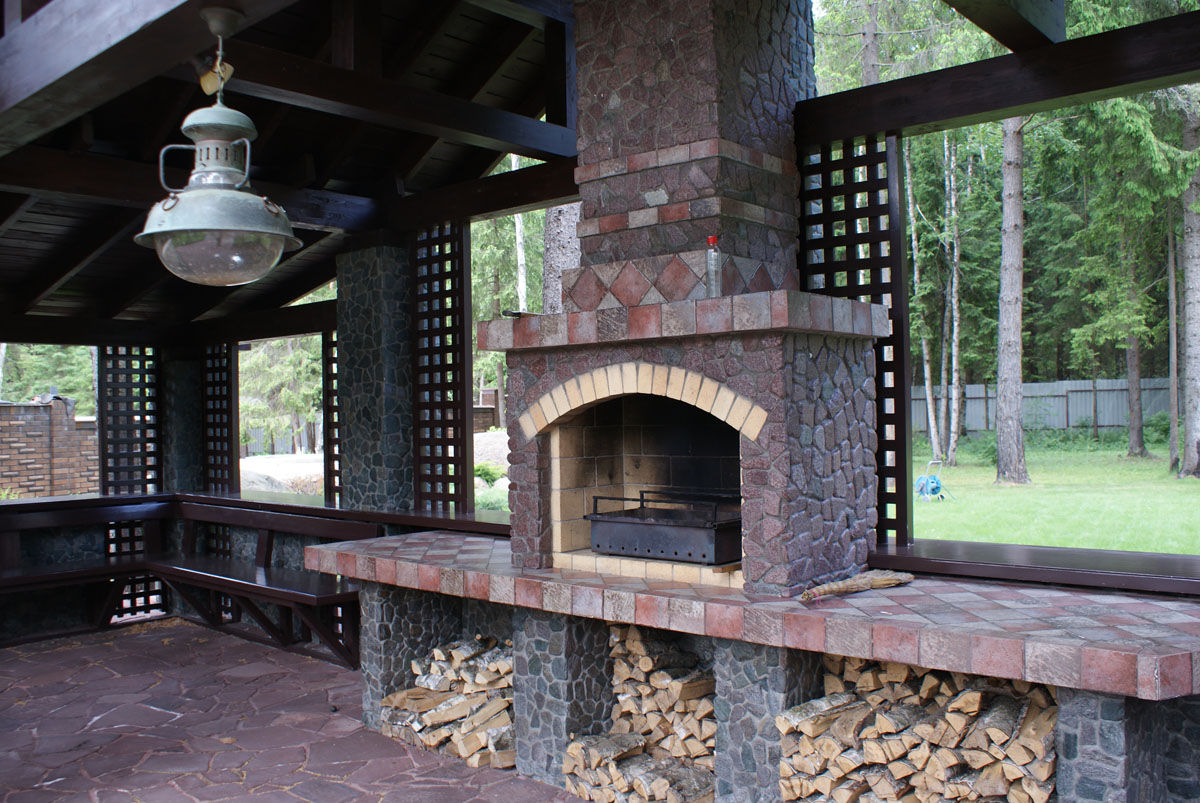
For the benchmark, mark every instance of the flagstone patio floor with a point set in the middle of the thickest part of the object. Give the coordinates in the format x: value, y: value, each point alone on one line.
x: 171, y: 711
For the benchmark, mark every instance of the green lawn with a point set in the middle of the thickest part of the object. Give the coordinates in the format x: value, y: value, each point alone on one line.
x: 1080, y: 497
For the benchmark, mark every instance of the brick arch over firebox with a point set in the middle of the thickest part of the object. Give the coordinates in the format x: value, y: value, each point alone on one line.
x: 672, y: 382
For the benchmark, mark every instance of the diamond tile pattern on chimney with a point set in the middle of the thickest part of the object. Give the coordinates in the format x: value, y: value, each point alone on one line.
x: 676, y: 281
x: 630, y: 286
x: 587, y: 291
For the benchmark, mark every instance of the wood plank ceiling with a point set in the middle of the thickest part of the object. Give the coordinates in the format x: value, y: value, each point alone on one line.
x: 362, y: 108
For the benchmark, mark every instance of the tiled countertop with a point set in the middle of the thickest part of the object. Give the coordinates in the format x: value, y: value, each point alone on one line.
x: 1136, y: 645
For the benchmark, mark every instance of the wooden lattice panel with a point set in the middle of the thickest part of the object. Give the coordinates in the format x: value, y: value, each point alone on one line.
x: 221, y: 419
x: 442, y: 368
x: 130, y: 459
x: 852, y: 233
x: 331, y: 424
x: 130, y: 452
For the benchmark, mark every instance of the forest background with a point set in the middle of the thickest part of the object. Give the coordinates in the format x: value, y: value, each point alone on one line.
x: 1105, y: 192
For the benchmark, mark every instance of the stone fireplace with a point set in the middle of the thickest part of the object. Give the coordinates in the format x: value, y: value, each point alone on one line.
x: 685, y: 131
x: 771, y: 393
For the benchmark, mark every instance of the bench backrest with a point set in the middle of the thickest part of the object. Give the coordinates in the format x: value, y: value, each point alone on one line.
x: 12, y: 524
x: 268, y: 523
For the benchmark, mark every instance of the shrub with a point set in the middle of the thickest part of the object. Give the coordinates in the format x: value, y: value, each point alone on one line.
x: 489, y: 473
x: 492, y: 499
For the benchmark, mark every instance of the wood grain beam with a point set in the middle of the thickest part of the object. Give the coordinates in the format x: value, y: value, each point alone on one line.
x: 81, y: 251
x: 1140, y: 58
x: 56, y: 174
x: 530, y: 12
x: 426, y: 26
x: 75, y: 55
x: 1016, y: 24
x: 142, y: 281
x: 283, y: 78
x: 65, y: 331
x: 354, y: 40
x: 286, y: 322
x: 500, y: 53
x: 535, y: 187
x: 12, y: 207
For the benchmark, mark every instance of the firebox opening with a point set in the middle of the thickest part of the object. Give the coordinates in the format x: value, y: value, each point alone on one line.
x: 638, y: 445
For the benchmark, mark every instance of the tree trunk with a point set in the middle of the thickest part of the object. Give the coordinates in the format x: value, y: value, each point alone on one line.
x: 561, y: 253
x: 870, y: 48
x: 1190, y: 463
x: 944, y: 386
x: 1133, y: 367
x: 919, y: 313
x: 519, y: 223
x: 1010, y: 437
x: 955, y: 317
x: 1172, y: 349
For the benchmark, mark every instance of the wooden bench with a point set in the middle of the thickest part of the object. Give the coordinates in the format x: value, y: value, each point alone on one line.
x: 312, y: 597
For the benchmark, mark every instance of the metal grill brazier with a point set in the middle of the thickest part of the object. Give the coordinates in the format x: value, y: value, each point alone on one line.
x: 690, y: 526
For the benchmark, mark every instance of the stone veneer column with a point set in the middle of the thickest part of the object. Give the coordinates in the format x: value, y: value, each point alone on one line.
x: 181, y: 405
x: 685, y: 130
x: 1123, y: 749
x: 755, y: 683
x: 375, y: 378
x: 399, y: 625
x: 562, y: 684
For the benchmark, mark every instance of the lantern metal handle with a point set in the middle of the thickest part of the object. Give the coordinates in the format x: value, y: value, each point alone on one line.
x: 162, y: 176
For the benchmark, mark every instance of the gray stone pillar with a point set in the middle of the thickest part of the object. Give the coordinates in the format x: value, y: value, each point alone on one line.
x: 1123, y: 749
x: 375, y: 378
x: 399, y: 625
x: 181, y: 403
x: 754, y: 684
x: 562, y: 684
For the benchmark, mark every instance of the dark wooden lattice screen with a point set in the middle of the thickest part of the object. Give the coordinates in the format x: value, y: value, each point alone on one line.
x: 442, y: 368
x: 220, y: 419
x: 852, y: 230
x: 330, y: 426
x: 130, y: 459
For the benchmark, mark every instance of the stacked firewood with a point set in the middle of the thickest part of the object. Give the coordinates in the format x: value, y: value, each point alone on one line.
x: 896, y: 732
x: 660, y: 746
x: 459, y: 704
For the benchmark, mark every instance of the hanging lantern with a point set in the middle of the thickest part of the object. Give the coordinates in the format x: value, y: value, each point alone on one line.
x: 216, y: 230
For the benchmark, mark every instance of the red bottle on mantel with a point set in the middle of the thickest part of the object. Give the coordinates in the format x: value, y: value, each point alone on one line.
x: 712, y: 264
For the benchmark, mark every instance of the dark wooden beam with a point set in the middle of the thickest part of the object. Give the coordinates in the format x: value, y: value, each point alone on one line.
x: 12, y: 207
x: 500, y: 53
x: 81, y: 251
x: 76, y: 331
x: 354, y: 43
x: 56, y: 174
x: 425, y: 26
x: 536, y: 187
x: 283, y: 78
x: 562, y: 92
x: 75, y: 55
x: 1016, y: 24
x: 141, y: 281
x: 286, y: 322
x: 530, y: 12
x: 281, y: 294
x: 169, y: 121
x: 1140, y: 58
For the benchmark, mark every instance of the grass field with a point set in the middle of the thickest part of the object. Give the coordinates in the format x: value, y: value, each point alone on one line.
x: 1083, y: 495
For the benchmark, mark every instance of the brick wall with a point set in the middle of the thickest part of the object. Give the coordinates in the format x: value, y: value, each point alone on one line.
x: 45, y: 451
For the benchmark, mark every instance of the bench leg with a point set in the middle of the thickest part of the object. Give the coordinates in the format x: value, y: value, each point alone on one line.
x: 310, y: 616
x: 256, y: 613
x: 211, y: 617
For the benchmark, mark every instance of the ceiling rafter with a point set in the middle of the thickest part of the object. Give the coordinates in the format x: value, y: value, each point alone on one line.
x: 501, y: 52
x: 82, y: 251
x: 12, y: 207
x: 284, y: 78
x: 1125, y: 61
x: 424, y: 30
x: 119, y: 182
x: 74, y: 55
x: 1016, y: 24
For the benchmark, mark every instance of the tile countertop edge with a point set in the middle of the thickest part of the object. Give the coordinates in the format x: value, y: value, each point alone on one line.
x: 1156, y: 672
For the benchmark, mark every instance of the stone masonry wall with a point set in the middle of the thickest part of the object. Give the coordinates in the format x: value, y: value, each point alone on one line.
x: 685, y: 130
x: 808, y: 479
x: 375, y: 378
x: 45, y: 451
